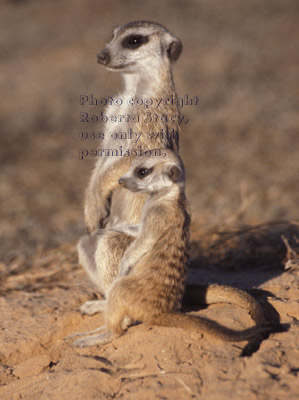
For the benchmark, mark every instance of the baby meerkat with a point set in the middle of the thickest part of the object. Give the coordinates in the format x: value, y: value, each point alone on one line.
x: 150, y: 284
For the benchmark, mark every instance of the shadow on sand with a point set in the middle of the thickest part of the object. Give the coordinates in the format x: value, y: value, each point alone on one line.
x: 245, y: 258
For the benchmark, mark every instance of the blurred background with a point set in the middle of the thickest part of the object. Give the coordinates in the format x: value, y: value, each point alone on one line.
x: 241, y: 146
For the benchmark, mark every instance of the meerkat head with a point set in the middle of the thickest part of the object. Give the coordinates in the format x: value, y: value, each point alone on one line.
x: 138, y: 46
x: 151, y: 174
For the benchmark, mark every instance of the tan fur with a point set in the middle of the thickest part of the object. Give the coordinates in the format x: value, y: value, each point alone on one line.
x: 106, y: 203
x: 113, y: 207
x: 152, y: 275
x: 211, y: 294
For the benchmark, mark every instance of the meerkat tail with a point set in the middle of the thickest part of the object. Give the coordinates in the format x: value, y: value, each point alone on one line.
x: 204, y: 325
x: 238, y: 297
x: 211, y: 294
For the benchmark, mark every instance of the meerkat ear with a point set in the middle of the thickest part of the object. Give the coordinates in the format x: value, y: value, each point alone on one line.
x: 174, y: 173
x: 174, y: 49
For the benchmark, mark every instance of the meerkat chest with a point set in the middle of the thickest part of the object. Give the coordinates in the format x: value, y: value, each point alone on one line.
x: 121, y: 125
x: 132, y: 123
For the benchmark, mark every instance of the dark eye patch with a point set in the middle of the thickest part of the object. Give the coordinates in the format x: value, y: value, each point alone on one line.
x: 134, y: 41
x: 142, y: 172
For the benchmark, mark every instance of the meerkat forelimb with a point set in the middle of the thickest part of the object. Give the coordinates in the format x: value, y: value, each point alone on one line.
x: 106, y: 185
x: 152, y: 275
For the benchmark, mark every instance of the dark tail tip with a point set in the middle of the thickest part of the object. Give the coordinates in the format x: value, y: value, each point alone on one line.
x: 254, y: 344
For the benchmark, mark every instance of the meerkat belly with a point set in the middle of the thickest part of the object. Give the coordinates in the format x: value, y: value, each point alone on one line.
x: 126, y: 207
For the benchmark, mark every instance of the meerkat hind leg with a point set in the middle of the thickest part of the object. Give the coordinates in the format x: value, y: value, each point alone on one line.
x: 103, y: 338
x: 86, y: 333
x: 87, y: 247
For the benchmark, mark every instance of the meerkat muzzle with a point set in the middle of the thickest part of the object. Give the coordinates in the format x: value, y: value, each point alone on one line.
x: 103, y: 57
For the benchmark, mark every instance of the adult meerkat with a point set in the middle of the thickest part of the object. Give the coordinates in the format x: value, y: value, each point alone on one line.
x: 152, y: 273
x: 143, y: 52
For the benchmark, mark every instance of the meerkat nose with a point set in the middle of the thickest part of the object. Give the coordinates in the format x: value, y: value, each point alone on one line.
x: 103, y: 57
x: 121, y: 181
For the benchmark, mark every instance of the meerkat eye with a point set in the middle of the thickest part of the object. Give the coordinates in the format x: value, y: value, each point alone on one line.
x: 142, y: 172
x: 134, y: 41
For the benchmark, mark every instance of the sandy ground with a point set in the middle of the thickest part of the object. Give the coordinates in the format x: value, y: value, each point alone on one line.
x: 241, y: 151
x: 39, y: 309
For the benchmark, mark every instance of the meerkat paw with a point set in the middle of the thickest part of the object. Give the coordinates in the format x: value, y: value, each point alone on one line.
x: 91, y: 219
x: 103, y: 338
x: 85, y: 333
x: 92, y: 307
x: 95, y: 218
x: 92, y: 225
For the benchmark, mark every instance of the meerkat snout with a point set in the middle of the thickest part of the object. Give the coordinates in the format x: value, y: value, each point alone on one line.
x: 103, y: 57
